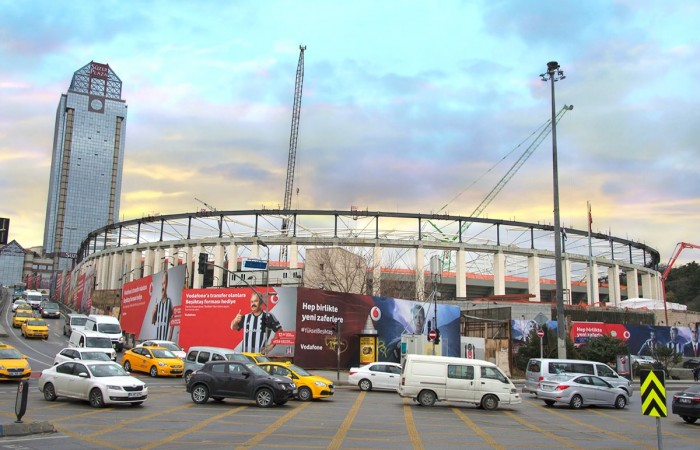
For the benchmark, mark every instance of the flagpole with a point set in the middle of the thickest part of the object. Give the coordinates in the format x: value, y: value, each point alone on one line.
x: 591, y: 275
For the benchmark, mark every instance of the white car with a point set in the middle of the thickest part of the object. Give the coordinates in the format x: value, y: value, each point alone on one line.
x: 99, y: 382
x: 170, y: 345
x: 377, y: 375
x: 20, y: 302
x: 80, y: 354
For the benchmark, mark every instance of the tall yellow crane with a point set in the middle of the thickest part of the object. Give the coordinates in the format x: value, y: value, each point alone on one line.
x: 296, y: 113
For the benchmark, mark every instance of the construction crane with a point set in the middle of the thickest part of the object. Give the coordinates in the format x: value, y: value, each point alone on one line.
x: 296, y: 113
x: 679, y: 248
x: 211, y: 208
x: 545, y: 130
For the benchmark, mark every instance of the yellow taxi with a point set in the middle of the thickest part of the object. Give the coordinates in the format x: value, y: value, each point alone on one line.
x: 20, y: 317
x: 309, y: 386
x: 259, y: 358
x: 155, y: 361
x: 13, y: 364
x: 35, y: 327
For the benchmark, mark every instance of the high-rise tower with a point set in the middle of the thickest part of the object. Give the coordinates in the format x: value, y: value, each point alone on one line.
x: 87, y: 161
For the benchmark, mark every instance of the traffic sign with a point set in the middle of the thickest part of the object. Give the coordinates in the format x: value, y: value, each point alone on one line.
x: 540, y: 332
x: 432, y: 334
x: 653, y: 393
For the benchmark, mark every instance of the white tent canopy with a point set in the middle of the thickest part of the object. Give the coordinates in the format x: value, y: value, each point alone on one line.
x: 647, y: 303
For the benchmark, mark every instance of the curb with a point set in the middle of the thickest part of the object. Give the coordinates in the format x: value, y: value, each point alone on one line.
x: 25, y: 429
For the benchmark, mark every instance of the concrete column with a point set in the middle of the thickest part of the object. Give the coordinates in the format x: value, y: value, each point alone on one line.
x: 98, y: 272
x: 232, y: 259
x: 219, y: 276
x: 148, y: 262
x: 614, y: 284
x: 632, y: 286
x: 566, y: 272
x: 460, y: 273
x: 596, y: 287
x: 420, y: 274
x: 104, y: 276
x: 187, y: 261
x: 136, y: 266
x: 659, y: 287
x: 647, y: 283
x: 198, y: 282
x: 160, y: 264
x: 293, y: 254
x: 116, y: 270
x: 499, y: 273
x: 377, y: 270
x: 126, y: 268
x: 533, y: 278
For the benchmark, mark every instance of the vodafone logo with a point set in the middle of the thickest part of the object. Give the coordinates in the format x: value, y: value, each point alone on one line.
x: 626, y: 334
x: 375, y: 313
x: 273, y: 299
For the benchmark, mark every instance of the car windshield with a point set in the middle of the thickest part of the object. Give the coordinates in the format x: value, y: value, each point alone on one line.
x: 170, y: 346
x: 98, y: 342
x: 107, y: 370
x: 299, y: 370
x: 51, y: 306
x: 257, y: 370
x: 163, y: 354
x: 80, y: 321
x: 36, y: 323
x: 109, y: 328
x: 10, y: 353
x: 24, y: 314
x: 262, y: 358
x: 95, y: 356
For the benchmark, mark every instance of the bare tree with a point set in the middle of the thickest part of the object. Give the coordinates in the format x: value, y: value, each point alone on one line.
x: 336, y: 269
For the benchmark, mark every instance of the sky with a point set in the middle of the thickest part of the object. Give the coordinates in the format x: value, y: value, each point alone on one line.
x: 407, y: 106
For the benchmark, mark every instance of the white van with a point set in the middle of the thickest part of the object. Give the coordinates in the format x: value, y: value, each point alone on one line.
x: 540, y: 368
x: 92, y: 339
x: 427, y: 379
x: 107, y: 325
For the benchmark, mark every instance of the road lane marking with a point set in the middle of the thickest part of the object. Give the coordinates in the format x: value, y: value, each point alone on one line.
x: 345, y: 426
x: 201, y: 424
x: 567, y: 443
x: 581, y: 423
x: 270, y: 429
x: 484, y: 435
x: 413, y: 434
x: 644, y: 426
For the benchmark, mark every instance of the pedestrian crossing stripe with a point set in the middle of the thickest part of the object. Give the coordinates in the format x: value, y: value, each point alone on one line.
x: 653, y: 393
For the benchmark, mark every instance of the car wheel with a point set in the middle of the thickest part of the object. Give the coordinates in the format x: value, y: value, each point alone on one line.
x: 365, y: 385
x: 689, y: 419
x: 188, y: 375
x: 620, y: 402
x: 489, y: 402
x: 136, y: 403
x: 96, y: 399
x: 127, y: 366
x: 304, y: 394
x: 200, y: 394
x: 426, y: 398
x: 576, y: 402
x: 153, y: 372
x: 49, y: 392
x: 549, y: 402
x: 263, y: 398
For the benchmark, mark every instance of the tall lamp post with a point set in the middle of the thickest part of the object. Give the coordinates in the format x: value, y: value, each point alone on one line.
x: 554, y: 73
x: 267, y: 270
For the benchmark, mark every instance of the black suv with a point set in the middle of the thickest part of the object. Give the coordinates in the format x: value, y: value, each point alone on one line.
x: 221, y: 379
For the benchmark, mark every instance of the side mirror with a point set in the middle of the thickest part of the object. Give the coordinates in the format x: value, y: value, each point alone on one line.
x: 246, y: 374
x: 83, y: 375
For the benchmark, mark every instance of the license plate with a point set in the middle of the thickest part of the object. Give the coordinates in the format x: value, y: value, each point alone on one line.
x: 683, y: 400
x: 547, y: 388
x: 134, y: 394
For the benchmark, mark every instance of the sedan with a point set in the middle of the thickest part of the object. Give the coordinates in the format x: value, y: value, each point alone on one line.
x: 309, y: 386
x: 80, y: 354
x: 687, y: 404
x: 20, y: 304
x: 378, y: 375
x: 99, y: 382
x: 580, y: 390
x: 35, y: 328
x: 155, y: 361
x: 20, y: 317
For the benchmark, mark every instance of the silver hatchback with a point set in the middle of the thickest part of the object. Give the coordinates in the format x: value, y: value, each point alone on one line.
x: 578, y: 391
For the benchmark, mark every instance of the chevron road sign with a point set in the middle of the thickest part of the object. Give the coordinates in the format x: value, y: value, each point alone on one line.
x: 653, y: 393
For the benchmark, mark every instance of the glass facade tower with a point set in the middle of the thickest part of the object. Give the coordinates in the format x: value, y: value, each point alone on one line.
x: 87, y: 161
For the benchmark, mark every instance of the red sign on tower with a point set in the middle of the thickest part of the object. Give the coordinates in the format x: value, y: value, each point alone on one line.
x: 432, y: 334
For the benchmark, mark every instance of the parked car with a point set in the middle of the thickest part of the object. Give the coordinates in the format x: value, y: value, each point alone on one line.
x: 13, y: 364
x: 80, y: 354
x: 197, y: 356
x: 687, y: 404
x: 309, y: 386
x: 259, y: 358
x: 578, y: 391
x: 35, y: 327
x: 50, y: 310
x: 377, y: 375
x: 99, y: 382
x: 155, y: 361
x: 73, y: 322
x: 233, y: 379
x: 170, y: 345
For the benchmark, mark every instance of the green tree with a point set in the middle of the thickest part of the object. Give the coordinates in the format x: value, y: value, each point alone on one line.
x: 603, y: 349
x: 667, y: 357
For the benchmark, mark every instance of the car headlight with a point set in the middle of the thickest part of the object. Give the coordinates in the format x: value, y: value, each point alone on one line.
x: 121, y: 338
x: 161, y: 364
x: 293, y: 386
x: 320, y: 383
x: 113, y: 387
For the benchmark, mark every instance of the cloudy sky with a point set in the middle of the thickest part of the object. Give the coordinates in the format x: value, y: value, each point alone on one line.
x: 407, y: 106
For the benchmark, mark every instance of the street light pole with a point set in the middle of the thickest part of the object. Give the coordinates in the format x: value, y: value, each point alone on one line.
x: 554, y: 73
x: 267, y: 271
